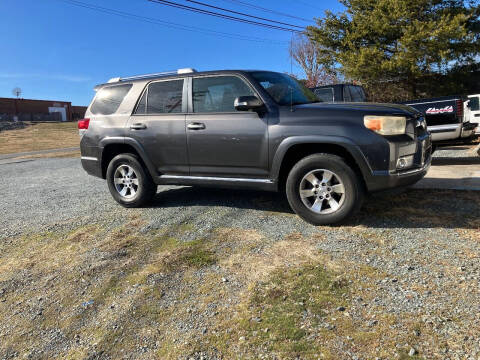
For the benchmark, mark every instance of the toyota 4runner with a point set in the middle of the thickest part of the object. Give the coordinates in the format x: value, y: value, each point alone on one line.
x: 249, y: 129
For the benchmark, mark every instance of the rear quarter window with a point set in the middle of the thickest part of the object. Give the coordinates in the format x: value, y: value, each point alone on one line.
x: 357, y: 94
x: 109, y: 98
x: 325, y: 94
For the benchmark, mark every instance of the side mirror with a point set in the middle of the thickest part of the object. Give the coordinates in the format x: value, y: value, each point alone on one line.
x: 247, y: 103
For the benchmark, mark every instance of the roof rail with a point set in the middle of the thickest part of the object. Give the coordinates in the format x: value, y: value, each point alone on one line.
x: 154, y: 75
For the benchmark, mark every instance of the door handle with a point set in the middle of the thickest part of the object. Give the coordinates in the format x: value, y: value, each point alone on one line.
x: 138, y: 126
x: 196, y: 126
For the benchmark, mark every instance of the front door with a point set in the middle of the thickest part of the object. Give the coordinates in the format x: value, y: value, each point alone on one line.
x: 158, y: 124
x: 223, y: 142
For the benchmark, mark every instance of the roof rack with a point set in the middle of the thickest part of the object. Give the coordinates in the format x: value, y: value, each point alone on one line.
x: 154, y: 75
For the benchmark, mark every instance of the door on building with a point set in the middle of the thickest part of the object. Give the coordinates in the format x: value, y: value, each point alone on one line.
x: 60, y: 110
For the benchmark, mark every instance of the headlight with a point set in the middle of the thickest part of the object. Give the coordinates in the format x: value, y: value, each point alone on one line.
x: 386, y: 125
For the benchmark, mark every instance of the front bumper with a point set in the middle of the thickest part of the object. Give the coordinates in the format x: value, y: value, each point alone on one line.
x: 388, y: 179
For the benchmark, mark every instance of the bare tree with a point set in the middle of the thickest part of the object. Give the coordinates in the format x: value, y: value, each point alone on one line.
x: 305, y: 54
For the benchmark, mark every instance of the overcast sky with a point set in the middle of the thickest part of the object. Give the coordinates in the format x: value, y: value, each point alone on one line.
x: 55, y: 50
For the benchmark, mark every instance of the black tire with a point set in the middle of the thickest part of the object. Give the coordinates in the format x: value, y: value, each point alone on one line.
x: 350, y: 202
x: 143, y: 192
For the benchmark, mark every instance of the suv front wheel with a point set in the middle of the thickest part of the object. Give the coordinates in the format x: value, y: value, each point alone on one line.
x: 128, y: 181
x: 323, y: 189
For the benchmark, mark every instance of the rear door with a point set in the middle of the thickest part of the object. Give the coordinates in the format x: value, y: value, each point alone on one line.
x: 158, y: 124
x: 221, y: 141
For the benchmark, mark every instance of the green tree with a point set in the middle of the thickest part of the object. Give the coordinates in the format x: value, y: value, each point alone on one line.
x: 402, y: 42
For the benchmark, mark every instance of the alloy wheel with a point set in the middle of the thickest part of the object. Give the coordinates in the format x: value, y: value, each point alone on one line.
x: 126, y: 181
x: 322, y: 191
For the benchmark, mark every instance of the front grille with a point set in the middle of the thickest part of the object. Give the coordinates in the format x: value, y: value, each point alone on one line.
x: 420, y: 125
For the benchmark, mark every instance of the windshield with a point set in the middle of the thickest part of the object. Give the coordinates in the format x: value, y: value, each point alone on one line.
x: 284, y: 89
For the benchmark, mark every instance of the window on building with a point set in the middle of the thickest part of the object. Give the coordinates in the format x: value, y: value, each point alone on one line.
x: 109, y: 98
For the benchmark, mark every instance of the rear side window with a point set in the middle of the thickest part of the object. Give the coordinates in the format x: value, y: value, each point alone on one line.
x: 325, y: 94
x: 165, y: 97
x: 346, y: 94
x: 142, y: 104
x: 474, y: 104
x: 218, y: 94
x: 357, y: 94
x: 109, y: 98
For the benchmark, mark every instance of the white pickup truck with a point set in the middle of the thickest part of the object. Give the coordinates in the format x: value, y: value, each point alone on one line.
x: 472, y: 110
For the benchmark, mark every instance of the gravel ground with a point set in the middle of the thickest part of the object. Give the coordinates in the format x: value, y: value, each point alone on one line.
x: 459, y: 151
x: 409, y: 261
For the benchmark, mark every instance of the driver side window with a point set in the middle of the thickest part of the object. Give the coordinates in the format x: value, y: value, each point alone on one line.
x: 218, y: 94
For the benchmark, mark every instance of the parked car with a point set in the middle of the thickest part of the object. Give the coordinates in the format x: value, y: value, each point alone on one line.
x: 445, y: 119
x: 472, y: 110
x: 340, y: 93
x: 249, y: 129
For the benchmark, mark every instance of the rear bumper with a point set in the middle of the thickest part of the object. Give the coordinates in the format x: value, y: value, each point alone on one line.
x: 91, y: 160
x: 468, y: 130
x: 446, y: 132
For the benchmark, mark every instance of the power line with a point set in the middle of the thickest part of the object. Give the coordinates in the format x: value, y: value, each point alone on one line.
x: 242, y: 14
x: 223, y: 16
x: 269, y: 10
x: 168, y: 24
x: 304, y: 3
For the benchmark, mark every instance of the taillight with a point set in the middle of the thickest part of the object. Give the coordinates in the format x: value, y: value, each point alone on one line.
x: 459, y: 108
x: 83, y: 124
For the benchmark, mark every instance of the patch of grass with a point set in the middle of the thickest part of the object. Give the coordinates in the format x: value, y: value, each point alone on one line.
x: 281, y: 312
x: 191, y: 254
x: 404, y: 356
x: 39, y: 136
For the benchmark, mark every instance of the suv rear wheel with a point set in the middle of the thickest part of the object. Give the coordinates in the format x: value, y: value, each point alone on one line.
x: 323, y: 189
x: 128, y: 182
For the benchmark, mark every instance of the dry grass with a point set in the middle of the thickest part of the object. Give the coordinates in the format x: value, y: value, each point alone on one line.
x: 154, y: 296
x: 433, y: 210
x: 59, y: 154
x: 39, y: 136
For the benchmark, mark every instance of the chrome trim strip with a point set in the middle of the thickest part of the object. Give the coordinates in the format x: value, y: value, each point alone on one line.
x: 89, y: 158
x: 430, y: 102
x: 414, y: 171
x: 208, y: 178
x: 445, y: 127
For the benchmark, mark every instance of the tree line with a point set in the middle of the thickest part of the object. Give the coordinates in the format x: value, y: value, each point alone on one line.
x: 397, y: 49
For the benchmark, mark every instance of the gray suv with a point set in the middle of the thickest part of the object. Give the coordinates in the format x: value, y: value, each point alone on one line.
x: 249, y: 129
